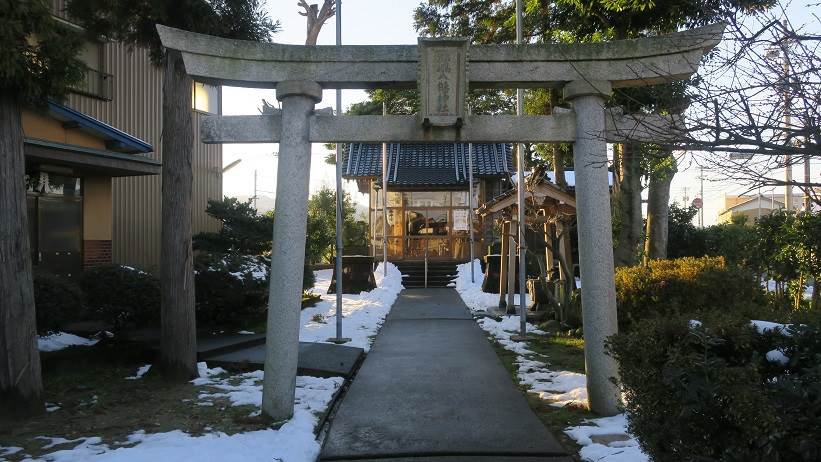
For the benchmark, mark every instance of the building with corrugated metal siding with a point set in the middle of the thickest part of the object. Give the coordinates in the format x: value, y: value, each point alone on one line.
x: 124, y: 90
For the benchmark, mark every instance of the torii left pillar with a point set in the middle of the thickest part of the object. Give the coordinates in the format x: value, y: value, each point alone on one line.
x: 595, y: 227
x: 288, y: 250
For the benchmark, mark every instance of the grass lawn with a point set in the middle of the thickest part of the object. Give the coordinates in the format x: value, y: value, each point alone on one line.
x: 95, y: 399
x: 562, y: 353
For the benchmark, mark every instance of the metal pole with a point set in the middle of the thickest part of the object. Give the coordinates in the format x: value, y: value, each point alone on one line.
x: 255, y: 189
x: 340, y: 196
x: 426, y: 264
x: 759, y: 202
x: 470, y: 208
x: 520, y: 171
x: 384, y: 201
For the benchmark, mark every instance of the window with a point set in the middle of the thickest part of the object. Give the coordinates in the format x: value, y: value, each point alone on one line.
x: 95, y: 82
x: 206, y: 98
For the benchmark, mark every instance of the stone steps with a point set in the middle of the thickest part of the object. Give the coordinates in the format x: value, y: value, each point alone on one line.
x: 440, y: 274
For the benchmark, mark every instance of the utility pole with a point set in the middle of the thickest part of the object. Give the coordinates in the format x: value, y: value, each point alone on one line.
x: 701, y: 195
x: 255, y: 189
x: 783, y: 52
x: 787, y: 123
x: 759, y: 202
x: 807, y: 198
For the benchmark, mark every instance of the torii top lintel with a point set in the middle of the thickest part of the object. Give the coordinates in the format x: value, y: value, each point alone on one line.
x: 624, y: 63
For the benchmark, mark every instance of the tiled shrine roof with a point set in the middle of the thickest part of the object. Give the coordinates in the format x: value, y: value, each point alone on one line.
x: 430, y: 164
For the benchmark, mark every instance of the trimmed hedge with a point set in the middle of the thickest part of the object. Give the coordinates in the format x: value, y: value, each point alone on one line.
x: 686, y: 285
x: 230, y: 289
x: 57, y: 301
x: 709, y: 392
x: 122, y: 296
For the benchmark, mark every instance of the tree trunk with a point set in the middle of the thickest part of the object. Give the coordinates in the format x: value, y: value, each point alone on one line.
x: 21, y: 385
x: 658, y: 208
x: 558, y: 155
x: 628, y: 206
x: 179, y: 334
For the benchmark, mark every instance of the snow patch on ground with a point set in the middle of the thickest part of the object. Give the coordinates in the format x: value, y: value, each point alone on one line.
x: 778, y: 356
x: 607, y: 439
x: 7, y: 451
x: 603, y: 439
x: 141, y: 371
x: 362, y: 313
x: 312, y: 393
x: 764, y: 326
x: 62, y: 340
x: 471, y: 292
x: 293, y: 442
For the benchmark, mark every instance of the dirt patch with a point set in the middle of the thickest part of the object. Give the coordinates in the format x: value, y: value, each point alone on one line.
x: 93, y: 398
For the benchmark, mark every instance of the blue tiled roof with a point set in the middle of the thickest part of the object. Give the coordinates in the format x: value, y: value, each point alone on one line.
x: 117, y: 140
x: 429, y: 164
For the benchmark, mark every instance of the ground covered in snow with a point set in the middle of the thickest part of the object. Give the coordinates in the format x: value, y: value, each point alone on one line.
x: 106, y: 404
x: 599, y: 439
x: 216, y: 419
x: 61, y: 340
x: 362, y: 313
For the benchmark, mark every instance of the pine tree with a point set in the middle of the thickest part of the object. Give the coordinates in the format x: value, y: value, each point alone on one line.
x: 134, y: 22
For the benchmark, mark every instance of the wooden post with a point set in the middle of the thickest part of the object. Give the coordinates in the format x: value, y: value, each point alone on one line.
x: 548, y: 246
x: 503, y: 265
x: 565, y: 256
x: 511, y: 268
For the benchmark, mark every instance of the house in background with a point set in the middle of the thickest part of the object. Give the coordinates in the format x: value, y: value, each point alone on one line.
x: 427, y: 198
x: 71, y: 161
x: 120, y: 94
x: 753, y: 207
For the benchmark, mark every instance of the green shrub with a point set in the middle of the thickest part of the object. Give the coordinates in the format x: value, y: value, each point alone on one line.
x: 123, y: 296
x: 57, y: 301
x: 686, y: 285
x: 230, y: 289
x: 709, y: 393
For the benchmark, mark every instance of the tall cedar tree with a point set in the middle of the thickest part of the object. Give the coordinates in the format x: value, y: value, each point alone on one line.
x: 36, y: 63
x: 493, y: 21
x: 134, y: 22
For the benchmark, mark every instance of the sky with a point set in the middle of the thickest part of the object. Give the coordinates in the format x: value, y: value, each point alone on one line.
x: 391, y: 22
x: 364, y: 22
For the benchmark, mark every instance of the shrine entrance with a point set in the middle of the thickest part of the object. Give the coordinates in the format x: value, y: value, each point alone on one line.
x: 444, y: 70
x: 429, y: 211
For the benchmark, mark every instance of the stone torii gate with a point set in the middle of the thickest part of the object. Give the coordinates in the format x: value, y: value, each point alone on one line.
x: 444, y: 70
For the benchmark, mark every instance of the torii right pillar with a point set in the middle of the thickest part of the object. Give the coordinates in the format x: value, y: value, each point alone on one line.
x: 595, y: 241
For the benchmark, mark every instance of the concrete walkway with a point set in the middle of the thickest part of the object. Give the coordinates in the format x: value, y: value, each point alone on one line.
x: 433, y: 389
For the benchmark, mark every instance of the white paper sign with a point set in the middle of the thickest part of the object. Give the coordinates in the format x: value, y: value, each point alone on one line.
x: 460, y: 220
